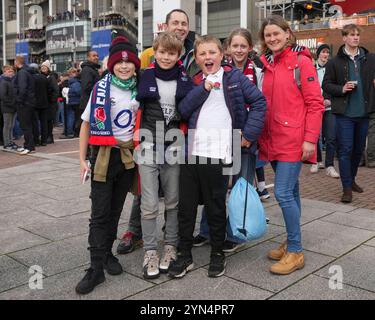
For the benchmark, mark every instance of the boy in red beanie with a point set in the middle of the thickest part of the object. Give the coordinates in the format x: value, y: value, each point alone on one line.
x: 108, y: 126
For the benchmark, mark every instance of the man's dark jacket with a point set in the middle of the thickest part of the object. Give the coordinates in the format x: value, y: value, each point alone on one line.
x: 337, y: 74
x: 89, y: 76
x: 24, y: 86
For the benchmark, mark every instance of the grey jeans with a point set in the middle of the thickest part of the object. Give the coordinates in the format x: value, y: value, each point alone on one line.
x: 169, y: 178
x: 9, y: 120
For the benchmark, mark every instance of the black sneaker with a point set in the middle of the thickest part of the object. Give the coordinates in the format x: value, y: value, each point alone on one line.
x: 90, y: 281
x: 263, y: 195
x: 129, y: 243
x: 230, y: 246
x: 199, y: 241
x: 217, y: 265
x: 181, y: 266
x: 112, y: 265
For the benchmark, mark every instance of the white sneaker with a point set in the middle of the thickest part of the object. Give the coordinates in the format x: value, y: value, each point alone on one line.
x: 170, y: 254
x: 24, y: 152
x: 314, y: 168
x: 321, y: 165
x: 151, y: 265
x: 331, y: 172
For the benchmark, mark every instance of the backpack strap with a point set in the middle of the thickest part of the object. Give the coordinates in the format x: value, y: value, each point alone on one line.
x: 297, y: 73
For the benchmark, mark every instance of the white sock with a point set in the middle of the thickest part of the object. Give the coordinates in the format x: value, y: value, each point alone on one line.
x: 261, y: 186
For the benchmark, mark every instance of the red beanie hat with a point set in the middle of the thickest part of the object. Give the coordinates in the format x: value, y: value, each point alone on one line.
x: 122, y: 50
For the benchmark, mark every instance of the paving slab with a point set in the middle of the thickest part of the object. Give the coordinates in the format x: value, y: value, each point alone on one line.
x: 331, y: 239
x: 66, y: 208
x: 60, y: 228
x: 196, y: 285
x: 12, y: 273
x: 66, y: 181
x: 15, y: 239
x: 43, y: 166
x: 361, y: 218
x: 56, y: 257
x: 20, y: 180
x: 24, y: 217
x: 327, y: 205
x: 309, y: 214
x: 66, y: 193
x: 28, y: 200
x: 252, y: 267
x: 357, y: 267
x: 62, y: 287
x: 371, y: 243
x: 317, y: 288
x: 133, y: 262
x: 10, y: 191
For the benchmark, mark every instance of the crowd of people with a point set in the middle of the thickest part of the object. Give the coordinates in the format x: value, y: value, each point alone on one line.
x: 31, y: 34
x: 68, y: 15
x: 110, y: 21
x: 162, y: 127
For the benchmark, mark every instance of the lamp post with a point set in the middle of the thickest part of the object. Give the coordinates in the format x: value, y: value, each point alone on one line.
x: 74, y: 5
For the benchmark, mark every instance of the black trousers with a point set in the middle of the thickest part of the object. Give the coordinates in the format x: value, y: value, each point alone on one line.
x: 107, y: 200
x: 77, y: 120
x: 51, y: 118
x: 202, y: 183
x: 26, y: 116
x: 40, y: 129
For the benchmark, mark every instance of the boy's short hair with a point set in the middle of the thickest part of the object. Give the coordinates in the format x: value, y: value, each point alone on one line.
x: 168, y: 41
x: 7, y: 67
x: 349, y: 28
x: 207, y: 39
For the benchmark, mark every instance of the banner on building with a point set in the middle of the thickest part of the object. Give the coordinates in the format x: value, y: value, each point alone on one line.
x: 63, y: 37
x: 342, y: 22
x: 160, y: 10
x: 354, y: 6
x: 22, y: 49
x: 311, y: 43
x: 100, y: 42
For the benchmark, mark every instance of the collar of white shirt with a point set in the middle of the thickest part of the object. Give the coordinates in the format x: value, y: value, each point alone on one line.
x: 218, y: 76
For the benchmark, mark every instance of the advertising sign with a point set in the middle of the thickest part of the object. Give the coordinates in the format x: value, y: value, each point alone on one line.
x: 160, y: 11
x: 354, y: 6
x: 22, y: 49
x: 311, y: 43
x: 63, y: 37
x: 341, y: 22
x: 101, y: 41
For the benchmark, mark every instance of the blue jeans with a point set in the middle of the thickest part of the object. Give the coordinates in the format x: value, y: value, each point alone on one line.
x: 329, y: 133
x: 287, y: 195
x: 247, y: 169
x: 351, y: 136
x: 70, y: 119
x: 17, y: 131
x: 60, y: 113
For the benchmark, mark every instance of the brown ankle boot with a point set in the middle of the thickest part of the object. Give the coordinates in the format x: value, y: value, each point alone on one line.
x: 356, y: 188
x: 277, y: 254
x: 347, y: 195
x: 291, y: 261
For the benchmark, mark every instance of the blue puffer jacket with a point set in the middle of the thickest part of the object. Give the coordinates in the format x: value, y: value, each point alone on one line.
x: 74, y: 91
x: 238, y: 92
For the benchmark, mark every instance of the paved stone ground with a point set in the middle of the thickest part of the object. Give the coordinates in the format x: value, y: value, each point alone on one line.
x: 44, y: 214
